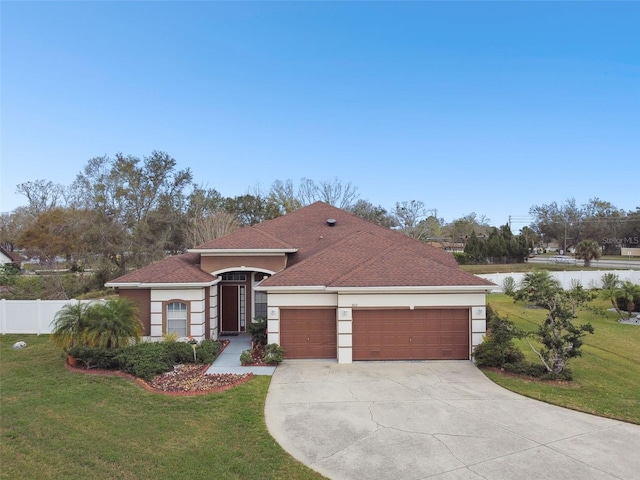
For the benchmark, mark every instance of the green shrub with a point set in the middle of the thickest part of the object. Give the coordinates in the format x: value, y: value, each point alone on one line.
x: 178, y: 352
x: 92, y: 357
x: 258, y: 330
x: 498, y: 348
x: 273, y: 354
x: 536, y: 370
x: 509, y: 286
x: 462, y: 258
x: 246, y: 357
x: 207, y: 351
x: 147, y: 360
x: 623, y: 303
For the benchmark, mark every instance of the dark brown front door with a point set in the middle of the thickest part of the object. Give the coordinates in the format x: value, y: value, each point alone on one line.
x: 230, y: 308
x: 308, y: 333
x: 404, y: 334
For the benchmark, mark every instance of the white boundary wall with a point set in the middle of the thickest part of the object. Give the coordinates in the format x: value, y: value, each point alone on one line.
x: 36, y: 316
x: 30, y: 316
x: 588, y: 279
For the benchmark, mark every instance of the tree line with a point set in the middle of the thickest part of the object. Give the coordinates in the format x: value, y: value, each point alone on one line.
x: 126, y: 212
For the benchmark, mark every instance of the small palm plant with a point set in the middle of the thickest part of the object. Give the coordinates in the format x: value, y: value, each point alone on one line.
x: 113, y: 324
x: 70, y: 326
x: 105, y: 325
x: 630, y: 291
x: 611, y: 290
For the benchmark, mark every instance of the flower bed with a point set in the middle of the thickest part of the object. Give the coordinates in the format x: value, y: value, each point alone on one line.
x: 183, y: 380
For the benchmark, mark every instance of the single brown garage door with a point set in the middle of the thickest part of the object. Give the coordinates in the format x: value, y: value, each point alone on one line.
x: 308, y: 333
x: 404, y: 334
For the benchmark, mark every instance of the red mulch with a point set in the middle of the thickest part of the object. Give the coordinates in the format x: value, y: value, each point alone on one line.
x: 258, y: 356
x: 192, y: 378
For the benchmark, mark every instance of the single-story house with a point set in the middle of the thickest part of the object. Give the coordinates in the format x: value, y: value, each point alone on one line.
x: 330, y: 284
x: 8, y: 257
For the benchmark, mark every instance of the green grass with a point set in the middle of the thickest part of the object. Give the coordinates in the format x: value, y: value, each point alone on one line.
x: 606, y: 377
x: 56, y: 424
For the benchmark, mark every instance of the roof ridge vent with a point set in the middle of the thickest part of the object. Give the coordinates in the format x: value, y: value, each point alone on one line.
x: 331, y: 222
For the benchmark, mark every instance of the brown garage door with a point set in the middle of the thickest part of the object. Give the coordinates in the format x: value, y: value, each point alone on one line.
x: 308, y: 333
x: 421, y: 334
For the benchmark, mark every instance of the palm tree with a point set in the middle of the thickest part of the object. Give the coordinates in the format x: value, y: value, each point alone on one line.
x: 114, y: 324
x: 588, y: 250
x: 69, y: 326
x: 630, y: 291
x: 611, y: 290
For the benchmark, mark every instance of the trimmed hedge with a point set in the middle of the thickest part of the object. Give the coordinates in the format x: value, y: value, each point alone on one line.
x: 146, y: 360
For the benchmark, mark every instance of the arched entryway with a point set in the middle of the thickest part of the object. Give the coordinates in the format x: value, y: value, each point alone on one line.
x: 238, y: 302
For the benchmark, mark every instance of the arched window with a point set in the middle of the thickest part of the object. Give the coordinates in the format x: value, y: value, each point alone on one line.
x: 177, y: 318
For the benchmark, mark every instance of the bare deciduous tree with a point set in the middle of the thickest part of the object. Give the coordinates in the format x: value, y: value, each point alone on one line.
x: 411, y: 218
x: 42, y: 195
x: 334, y: 192
x: 282, y: 194
x: 210, y: 227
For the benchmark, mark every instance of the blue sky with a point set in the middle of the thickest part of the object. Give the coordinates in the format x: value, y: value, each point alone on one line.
x: 485, y: 107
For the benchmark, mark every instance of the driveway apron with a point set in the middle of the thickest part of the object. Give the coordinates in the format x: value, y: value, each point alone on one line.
x: 440, y: 420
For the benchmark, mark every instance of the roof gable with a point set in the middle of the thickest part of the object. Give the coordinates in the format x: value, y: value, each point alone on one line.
x: 178, y: 269
x: 308, y: 230
x: 247, y: 238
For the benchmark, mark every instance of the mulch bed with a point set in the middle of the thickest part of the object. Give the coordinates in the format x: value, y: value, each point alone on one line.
x: 183, y: 380
x: 191, y: 379
x: 528, y: 378
x: 257, y: 356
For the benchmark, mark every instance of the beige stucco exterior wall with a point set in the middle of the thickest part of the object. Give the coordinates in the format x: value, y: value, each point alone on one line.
x: 248, y: 262
x: 195, y: 297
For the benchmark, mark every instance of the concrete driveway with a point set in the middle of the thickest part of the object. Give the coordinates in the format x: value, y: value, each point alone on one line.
x: 436, y: 420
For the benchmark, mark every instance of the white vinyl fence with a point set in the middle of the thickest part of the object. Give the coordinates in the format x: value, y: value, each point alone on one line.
x: 30, y: 316
x: 588, y: 279
x: 36, y: 316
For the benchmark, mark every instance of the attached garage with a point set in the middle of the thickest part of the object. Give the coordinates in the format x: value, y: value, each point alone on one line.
x: 405, y: 334
x: 308, y: 332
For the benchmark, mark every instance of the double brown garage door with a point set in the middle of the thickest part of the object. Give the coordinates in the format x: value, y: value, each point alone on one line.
x: 389, y: 334
x: 404, y: 334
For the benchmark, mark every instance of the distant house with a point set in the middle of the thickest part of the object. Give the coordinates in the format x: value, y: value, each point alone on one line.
x: 10, y: 258
x: 330, y: 284
x: 453, y: 247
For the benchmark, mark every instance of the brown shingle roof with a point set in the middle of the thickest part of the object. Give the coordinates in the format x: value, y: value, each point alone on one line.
x: 367, y: 260
x: 177, y: 269
x: 248, y: 238
x: 351, y: 253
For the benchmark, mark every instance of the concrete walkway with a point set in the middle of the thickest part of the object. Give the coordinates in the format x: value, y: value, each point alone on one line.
x: 229, y: 360
x: 437, y: 420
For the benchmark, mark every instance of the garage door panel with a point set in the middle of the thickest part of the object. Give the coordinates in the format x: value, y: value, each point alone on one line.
x: 308, y: 333
x: 420, y: 334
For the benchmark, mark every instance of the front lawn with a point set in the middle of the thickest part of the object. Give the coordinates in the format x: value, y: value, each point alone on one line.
x: 607, y: 376
x: 56, y: 424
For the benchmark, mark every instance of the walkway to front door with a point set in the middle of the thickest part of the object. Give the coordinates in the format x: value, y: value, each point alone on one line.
x: 229, y: 360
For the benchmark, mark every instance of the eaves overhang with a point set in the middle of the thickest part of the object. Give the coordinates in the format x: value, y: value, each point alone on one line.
x: 165, y: 286
x: 380, y: 290
x: 417, y: 289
